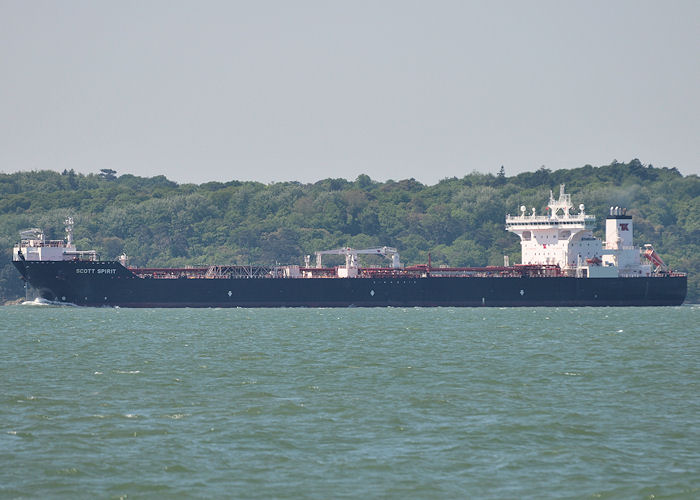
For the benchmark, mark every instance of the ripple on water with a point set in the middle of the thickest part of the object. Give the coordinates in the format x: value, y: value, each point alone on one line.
x: 326, y: 403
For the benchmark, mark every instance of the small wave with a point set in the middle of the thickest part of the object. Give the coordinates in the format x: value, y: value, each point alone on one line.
x: 45, y: 302
x: 20, y: 434
x: 127, y: 372
x: 68, y: 471
x: 28, y: 398
x: 176, y: 468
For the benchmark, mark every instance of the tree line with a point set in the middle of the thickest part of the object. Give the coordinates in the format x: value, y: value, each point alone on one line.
x: 458, y: 221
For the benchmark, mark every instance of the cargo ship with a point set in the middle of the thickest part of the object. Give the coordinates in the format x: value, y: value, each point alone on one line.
x: 563, y: 264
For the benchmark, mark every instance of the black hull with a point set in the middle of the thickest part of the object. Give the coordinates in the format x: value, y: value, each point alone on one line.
x: 110, y: 284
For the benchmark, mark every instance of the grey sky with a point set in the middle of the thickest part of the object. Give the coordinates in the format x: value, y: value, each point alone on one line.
x: 304, y: 90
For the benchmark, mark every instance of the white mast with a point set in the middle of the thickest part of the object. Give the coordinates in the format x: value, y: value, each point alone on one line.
x: 69, y: 232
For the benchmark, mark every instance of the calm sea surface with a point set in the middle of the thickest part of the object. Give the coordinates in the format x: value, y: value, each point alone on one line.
x: 340, y: 403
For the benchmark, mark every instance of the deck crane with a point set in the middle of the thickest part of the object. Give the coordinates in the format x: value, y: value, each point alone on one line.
x: 654, y: 258
x: 351, y: 257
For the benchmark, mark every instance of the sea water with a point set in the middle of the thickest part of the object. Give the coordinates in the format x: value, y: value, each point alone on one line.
x: 350, y: 403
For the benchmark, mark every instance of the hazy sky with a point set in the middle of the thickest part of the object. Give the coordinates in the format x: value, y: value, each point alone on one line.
x: 304, y: 90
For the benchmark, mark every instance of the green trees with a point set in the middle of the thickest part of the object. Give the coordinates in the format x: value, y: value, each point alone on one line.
x: 459, y: 221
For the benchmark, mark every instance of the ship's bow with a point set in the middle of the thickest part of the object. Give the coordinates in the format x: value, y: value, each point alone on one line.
x: 21, y: 266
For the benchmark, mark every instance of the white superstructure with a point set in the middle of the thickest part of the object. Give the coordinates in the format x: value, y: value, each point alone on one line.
x: 34, y: 246
x: 563, y: 238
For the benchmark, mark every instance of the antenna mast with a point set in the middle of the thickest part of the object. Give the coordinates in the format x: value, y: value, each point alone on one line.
x: 69, y: 232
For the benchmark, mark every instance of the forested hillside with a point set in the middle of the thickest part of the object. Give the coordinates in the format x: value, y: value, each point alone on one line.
x: 459, y: 221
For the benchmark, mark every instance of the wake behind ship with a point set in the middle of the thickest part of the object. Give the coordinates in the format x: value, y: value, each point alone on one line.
x: 563, y: 264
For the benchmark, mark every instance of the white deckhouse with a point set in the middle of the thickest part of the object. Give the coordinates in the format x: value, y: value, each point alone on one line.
x: 565, y: 239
